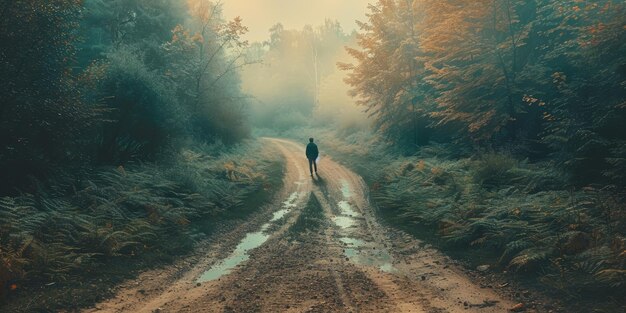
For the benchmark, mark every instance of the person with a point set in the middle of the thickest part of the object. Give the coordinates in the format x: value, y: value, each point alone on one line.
x: 312, y: 153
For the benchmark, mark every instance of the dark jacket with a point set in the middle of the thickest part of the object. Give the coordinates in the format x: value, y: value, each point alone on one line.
x: 311, y: 151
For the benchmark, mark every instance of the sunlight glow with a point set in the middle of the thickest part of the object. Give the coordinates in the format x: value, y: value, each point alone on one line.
x: 260, y: 15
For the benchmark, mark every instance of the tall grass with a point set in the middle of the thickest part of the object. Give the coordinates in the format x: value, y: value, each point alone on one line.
x: 125, y: 212
x: 521, y: 217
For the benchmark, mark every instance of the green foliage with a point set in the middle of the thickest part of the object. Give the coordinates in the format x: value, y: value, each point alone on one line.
x: 111, y: 82
x: 581, y: 91
x: 506, y: 207
x: 493, y: 168
x: 42, y: 111
x: 165, y: 74
x: 142, y: 116
x: 544, y: 76
x: 126, y: 213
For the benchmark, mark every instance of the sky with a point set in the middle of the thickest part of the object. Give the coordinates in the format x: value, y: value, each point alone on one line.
x: 260, y: 15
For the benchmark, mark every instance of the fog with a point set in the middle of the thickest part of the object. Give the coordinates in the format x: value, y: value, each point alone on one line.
x: 260, y: 16
x: 295, y: 81
x: 135, y: 135
x: 295, y: 46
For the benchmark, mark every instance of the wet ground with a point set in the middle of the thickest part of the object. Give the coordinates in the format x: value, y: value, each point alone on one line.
x: 318, y: 248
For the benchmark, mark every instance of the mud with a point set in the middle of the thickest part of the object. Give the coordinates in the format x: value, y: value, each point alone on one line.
x: 318, y: 248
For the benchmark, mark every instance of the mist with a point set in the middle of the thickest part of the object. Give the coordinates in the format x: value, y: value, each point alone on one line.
x: 295, y: 81
x: 155, y: 155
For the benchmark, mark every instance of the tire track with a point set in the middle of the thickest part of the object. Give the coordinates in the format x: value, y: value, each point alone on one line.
x: 342, y: 260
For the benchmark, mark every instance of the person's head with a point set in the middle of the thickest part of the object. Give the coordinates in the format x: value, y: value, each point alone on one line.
x: 311, y: 139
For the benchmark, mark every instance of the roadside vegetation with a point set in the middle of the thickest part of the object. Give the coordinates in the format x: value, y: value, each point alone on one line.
x: 114, y: 221
x: 498, y: 132
x: 123, y: 142
x: 523, y: 219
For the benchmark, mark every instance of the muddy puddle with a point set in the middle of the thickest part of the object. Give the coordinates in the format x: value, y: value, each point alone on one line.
x: 357, y: 250
x: 344, y: 221
x: 346, y: 209
x: 251, y: 241
x: 345, y: 189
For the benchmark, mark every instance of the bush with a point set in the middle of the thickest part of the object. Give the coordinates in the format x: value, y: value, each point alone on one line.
x: 126, y: 212
x: 494, y: 169
x: 519, y: 216
x: 142, y: 117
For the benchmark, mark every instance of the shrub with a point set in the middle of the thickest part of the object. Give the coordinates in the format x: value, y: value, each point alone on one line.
x: 493, y: 169
x: 143, y: 116
x: 126, y: 212
x: 519, y: 216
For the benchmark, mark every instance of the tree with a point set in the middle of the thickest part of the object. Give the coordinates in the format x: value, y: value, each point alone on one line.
x: 144, y: 24
x: 288, y: 84
x: 206, y: 56
x: 580, y: 88
x: 473, y: 54
x: 42, y: 112
x: 388, y: 77
x: 163, y: 70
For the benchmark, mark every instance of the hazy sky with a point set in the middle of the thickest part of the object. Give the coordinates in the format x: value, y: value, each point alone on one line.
x: 260, y: 15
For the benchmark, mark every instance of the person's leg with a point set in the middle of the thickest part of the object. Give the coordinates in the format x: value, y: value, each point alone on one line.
x: 315, y: 164
x: 311, y: 165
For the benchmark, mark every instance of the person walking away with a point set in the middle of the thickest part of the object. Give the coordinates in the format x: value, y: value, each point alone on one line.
x: 312, y: 153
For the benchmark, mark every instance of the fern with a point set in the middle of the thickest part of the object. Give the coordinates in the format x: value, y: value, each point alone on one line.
x: 121, y: 212
x: 530, y: 257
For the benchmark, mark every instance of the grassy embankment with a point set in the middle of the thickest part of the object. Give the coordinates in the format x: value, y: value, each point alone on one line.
x: 65, y: 247
x: 523, y: 219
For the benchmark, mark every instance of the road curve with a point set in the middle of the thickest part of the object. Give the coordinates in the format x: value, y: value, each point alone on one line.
x: 317, y: 248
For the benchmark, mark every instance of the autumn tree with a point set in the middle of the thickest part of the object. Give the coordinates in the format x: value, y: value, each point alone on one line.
x: 388, y: 77
x: 541, y: 77
x: 475, y: 56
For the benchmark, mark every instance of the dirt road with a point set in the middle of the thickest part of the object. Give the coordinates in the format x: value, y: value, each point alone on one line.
x: 318, y: 248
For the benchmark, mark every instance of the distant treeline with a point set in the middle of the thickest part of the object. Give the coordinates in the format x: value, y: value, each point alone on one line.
x: 100, y: 82
x: 297, y: 82
x: 542, y: 78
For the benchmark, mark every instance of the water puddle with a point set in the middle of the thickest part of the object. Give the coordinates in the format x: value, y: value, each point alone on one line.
x: 251, y: 241
x: 351, y: 246
x: 291, y: 201
x: 346, y: 209
x: 356, y: 250
x: 345, y: 189
x: 346, y: 216
x: 279, y: 214
x: 288, y: 204
x: 344, y: 221
x: 363, y: 253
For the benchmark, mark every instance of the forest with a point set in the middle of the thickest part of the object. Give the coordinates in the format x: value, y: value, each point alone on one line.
x: 133, y: 131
